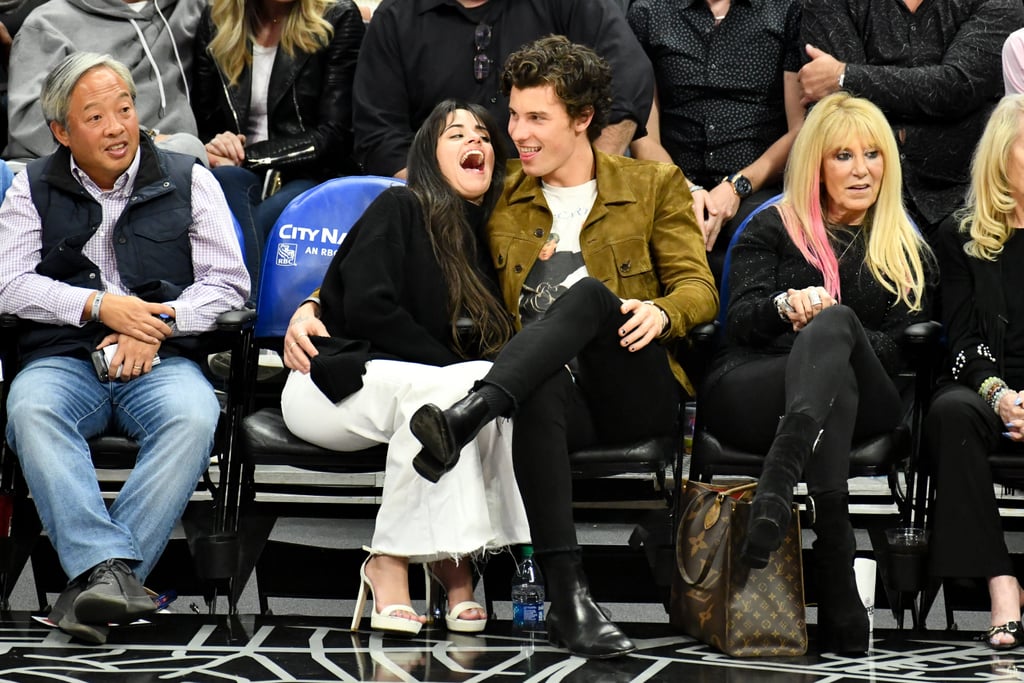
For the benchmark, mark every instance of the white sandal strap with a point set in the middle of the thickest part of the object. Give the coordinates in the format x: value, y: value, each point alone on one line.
x: 391, y: 609
x: 463, y: 606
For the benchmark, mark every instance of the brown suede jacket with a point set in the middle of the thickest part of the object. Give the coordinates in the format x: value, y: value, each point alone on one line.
x: 641, y: 240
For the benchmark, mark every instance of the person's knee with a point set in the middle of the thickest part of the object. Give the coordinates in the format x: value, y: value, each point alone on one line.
x: 28, y: 408
x: 588, y: 297
x: 831, y: 324
x: 591, y: 289
x: 234, y: 176
x: 202, y: 415
x: 839, y: 314
x: 191, y: 408
x: 952, y: 408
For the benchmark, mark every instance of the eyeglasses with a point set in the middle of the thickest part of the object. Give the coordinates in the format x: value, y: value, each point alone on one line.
x: 481, y: 62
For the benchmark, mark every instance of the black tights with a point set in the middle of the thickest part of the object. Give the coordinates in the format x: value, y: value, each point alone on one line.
x: 615, y: 397
x: 831, y: 374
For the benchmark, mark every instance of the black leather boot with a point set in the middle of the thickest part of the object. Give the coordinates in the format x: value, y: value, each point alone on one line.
x: 842, y: 619
x: 575, y: 621
x: 773, y: 503
x: 443, y: 433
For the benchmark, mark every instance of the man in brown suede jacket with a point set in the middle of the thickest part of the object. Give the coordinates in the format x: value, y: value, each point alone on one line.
x: 602, y: 265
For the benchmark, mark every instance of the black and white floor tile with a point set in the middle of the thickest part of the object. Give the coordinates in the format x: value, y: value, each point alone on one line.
x: 201, y: 649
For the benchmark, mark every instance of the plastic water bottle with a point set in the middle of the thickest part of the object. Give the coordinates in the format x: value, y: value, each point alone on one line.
x: 528, y: 594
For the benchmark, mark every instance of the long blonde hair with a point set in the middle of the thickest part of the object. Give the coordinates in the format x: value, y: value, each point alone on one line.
x: 990, y: 212
x: 236, y: 21
x: 895, y: 249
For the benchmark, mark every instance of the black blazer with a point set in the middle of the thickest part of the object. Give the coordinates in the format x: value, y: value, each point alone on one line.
x: 974, y: 309
x: 309, y: 101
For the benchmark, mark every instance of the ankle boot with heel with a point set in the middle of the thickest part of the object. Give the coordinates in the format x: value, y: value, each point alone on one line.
x: 574, y: 620
x: 842, y: 619
x: 795, y: 439
x: 443, y: 433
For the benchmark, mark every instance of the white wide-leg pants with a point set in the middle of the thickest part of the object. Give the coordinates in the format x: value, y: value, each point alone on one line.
x: 475, y: 507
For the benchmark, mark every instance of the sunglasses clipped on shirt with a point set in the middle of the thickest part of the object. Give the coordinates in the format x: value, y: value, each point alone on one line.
x: 481, y: 62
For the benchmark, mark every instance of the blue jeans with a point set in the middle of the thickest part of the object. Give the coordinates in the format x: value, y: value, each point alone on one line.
x: 243, y: 189
x: 57, y: 403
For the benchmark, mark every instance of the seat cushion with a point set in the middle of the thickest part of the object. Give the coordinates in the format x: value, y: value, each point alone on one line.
x: 649, y: 455
x: 871, y: 457
x: 267, y: 441
x: 113, y: 452
x: 1007, y: 469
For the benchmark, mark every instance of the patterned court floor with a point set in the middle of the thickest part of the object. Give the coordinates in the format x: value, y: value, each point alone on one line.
x: 213, y: 649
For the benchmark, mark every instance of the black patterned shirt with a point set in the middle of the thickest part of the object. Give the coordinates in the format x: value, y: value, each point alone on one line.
x: 935, y: 72
x: 719, y: 86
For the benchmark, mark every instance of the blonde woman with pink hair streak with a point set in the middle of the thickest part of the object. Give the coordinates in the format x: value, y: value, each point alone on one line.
x: 823, y: 284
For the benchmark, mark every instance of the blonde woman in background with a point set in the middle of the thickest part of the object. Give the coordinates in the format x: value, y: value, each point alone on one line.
x: 977, y: 409
x: 823, y: 284
x: 273, y: 103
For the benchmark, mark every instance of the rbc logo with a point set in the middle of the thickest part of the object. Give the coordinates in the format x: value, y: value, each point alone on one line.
x: 287, y: 254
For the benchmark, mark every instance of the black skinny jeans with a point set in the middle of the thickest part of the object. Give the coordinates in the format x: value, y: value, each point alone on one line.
x: 960, y: 431
x: 615, y: 397
x: 831, y: 374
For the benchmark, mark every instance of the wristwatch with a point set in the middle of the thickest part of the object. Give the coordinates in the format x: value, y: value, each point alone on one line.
x: 740, y: 185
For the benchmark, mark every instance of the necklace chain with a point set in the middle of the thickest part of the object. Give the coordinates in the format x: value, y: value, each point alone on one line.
x: 856, y: 236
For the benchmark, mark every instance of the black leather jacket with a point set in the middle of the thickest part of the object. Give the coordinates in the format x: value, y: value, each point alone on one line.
x: 310, y: 101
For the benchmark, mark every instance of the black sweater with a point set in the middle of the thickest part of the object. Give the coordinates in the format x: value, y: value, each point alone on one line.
x: 766, y: 262
x: 982, y: 314
x: 384, y: 296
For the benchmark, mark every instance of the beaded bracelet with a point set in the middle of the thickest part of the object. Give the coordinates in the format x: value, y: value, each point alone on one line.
x: 991, y: 390
x: 997, y: 397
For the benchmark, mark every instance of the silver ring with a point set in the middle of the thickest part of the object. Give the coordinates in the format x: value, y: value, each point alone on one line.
x: 136, y: 367
x: 814, y: 297
x: 294, y: 343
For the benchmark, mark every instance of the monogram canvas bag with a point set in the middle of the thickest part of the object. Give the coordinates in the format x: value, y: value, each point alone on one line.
x: 716, y: 597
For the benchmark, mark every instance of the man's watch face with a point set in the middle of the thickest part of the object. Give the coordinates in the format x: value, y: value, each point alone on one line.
x: 742, y: 185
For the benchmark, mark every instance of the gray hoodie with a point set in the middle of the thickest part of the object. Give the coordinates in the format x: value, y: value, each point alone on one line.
x: 155, y: 44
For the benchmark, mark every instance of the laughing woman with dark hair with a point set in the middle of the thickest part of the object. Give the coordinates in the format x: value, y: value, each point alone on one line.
x: 413, y: 265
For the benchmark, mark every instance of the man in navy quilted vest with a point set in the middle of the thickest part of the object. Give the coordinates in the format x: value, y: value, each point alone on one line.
x: 115, y: 255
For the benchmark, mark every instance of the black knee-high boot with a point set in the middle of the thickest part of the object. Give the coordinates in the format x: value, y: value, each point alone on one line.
x: 575, y: 621
x: 773, y: 503
x: 842, y: 619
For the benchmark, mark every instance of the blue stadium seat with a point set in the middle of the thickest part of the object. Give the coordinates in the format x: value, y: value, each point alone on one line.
x: 299, y: 250
x: 303, y: 241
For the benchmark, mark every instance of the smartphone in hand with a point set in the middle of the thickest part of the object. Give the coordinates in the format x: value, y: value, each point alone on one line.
x: 101, y: 363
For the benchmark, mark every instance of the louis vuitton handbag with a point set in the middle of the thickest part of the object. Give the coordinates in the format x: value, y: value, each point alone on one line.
x: 716, y: 597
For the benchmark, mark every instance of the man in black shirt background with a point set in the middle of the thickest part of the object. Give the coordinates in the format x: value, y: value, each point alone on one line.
x: 728, y: 102
x: 934, y: 68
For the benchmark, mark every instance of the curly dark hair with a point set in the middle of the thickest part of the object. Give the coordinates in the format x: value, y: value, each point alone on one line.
x: 581, y: 78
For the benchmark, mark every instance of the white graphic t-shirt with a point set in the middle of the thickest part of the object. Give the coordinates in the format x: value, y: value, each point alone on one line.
x: 560, y: 263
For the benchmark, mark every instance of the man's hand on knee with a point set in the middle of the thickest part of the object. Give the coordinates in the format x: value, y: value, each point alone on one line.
x: 646, y: 322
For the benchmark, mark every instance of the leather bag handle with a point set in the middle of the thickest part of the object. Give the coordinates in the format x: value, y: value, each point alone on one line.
x: 711, y: 517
